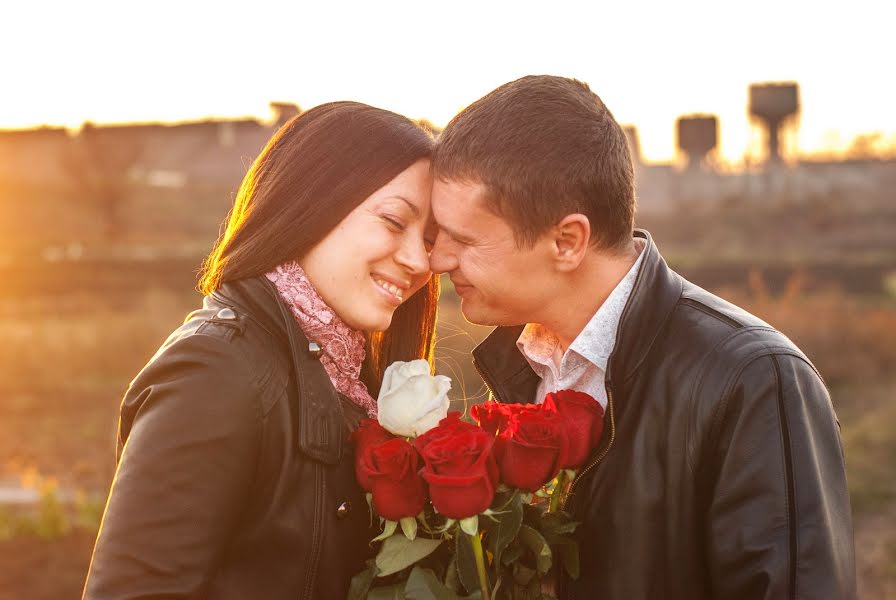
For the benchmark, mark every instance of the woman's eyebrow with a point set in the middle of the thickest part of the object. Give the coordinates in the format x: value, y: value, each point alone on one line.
x: 413, y: 207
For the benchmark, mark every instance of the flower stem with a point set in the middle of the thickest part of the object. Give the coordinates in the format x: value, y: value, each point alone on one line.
x: 557, y: 494
x: 480, y: 565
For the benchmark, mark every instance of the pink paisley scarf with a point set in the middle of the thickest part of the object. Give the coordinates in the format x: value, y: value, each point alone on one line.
x: 343, y: 347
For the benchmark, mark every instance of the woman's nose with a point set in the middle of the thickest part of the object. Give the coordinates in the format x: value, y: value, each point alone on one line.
x: 413, y: 255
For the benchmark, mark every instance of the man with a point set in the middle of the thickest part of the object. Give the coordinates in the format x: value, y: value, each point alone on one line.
x: 720, y: 472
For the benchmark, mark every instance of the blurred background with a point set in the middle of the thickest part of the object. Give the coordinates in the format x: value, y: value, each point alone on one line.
x: 764, y: 136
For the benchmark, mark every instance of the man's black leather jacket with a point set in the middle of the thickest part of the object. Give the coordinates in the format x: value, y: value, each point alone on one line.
x: 235, y: 479
x: 720, y: 473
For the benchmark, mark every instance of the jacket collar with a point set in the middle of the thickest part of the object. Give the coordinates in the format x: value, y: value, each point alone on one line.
x: 656, y: 291
x: 320, y: 423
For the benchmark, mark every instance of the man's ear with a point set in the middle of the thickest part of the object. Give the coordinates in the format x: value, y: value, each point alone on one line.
x: 572, y: 236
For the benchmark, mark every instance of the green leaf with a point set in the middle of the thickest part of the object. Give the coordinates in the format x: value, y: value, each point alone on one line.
x: 424, y: 585
x: 398, y: 552
x: 539, y: 547
x: 533, y: 590
x: 391, y: 592
x: 522, y: 574
x: 512, y: 553
x: 569, y: 557
x: 409, y: 527
x: 452, y: 579
x: 567, y: 549
x: 558, y: 522
x: 532, y: 515
x: 466, y: 562
x: 470, y: 525
x: 505, y: 529
x: 362, y: 581
x: 388, y: 530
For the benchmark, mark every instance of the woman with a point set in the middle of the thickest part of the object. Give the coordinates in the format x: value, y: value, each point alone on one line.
x: 234, y: 478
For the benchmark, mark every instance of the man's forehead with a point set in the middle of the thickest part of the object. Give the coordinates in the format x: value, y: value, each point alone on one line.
x: 459, y: 190
x: 457, y: 206
x: 461, y: 211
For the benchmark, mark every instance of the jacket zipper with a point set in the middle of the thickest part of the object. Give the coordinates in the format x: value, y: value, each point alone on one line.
x: 563, y: 581
x: 601, y: 455
x: 316, y: 527
x: 318, y: 517
x: 485, y: 380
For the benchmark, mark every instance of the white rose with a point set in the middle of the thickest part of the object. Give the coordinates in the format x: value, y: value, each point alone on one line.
x: 412, y: 401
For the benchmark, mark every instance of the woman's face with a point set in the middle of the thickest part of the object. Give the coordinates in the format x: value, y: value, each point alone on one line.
x: 378, y: 256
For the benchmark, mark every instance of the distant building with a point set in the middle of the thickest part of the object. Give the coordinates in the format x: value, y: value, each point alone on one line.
x: 208, y: 153
x: 215, y: 154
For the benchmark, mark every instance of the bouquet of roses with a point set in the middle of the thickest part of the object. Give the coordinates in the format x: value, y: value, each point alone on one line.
x: 469, y: 510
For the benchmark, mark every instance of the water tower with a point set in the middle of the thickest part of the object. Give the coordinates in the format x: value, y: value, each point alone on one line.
x: 774, y: 104
x: 697, y: 136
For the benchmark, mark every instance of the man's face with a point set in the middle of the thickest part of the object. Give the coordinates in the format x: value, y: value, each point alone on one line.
x: 498, y: 282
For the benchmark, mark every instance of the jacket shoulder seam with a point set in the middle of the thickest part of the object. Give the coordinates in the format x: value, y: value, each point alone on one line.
x: 784, y: 428
x: 719, y: 411
x: 697, y: 305
x: 255, y: 378
x: 728, y: 388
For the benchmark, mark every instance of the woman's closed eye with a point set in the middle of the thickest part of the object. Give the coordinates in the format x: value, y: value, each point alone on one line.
x: 394, y: 222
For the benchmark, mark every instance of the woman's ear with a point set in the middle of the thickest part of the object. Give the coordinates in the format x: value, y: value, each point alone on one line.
x: 572, y: 236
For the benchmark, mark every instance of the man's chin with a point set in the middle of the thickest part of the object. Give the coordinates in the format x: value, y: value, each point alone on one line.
x: 472, y: 313
x: 479, y: 315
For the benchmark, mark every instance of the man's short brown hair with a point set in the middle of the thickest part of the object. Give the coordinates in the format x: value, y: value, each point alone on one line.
x: 544, y: 147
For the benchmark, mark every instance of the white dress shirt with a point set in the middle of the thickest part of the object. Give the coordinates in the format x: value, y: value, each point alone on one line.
x: 583, y: 367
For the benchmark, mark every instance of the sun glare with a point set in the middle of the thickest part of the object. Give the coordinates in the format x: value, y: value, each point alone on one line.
x: 650, y: 63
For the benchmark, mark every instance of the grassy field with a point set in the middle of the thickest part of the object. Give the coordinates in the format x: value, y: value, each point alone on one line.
x: 62, y: 375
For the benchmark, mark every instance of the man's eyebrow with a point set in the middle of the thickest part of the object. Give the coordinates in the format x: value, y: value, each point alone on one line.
x: 456, y: 235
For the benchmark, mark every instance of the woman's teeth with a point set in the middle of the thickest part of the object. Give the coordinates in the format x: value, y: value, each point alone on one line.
x: 392, y: 289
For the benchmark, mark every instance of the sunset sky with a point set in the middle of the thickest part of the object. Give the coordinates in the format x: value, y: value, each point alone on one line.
x: 67, y: 62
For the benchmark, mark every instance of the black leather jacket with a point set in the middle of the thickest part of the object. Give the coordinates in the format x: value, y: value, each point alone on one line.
x: 234, y: 479
x: 720, y: 473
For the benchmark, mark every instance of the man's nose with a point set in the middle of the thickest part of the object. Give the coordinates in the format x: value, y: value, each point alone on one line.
x: 442, y: 259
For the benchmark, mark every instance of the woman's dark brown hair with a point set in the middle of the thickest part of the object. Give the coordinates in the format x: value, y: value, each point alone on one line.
x: 314, y: 171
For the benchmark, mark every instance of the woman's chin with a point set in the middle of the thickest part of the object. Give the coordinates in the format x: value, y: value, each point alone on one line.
x: 371, y: 321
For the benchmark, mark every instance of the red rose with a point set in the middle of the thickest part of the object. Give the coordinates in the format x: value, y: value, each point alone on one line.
x: 368, y: 433
x: 391, y: 469
x: 494, y: 417
x: 447, y: 427
x: 490, y: 416
x: 533, y: 449
x: 584, y: 418
x: 459, y: 468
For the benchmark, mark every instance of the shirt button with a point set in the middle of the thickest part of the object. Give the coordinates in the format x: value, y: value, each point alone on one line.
x: 344, y: 509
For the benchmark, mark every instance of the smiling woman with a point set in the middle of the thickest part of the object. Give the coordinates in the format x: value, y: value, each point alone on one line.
x: 387, y: 263
x: 233, y: 477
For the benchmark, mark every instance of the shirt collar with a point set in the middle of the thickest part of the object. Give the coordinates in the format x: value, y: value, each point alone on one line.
x: 595, y: 342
